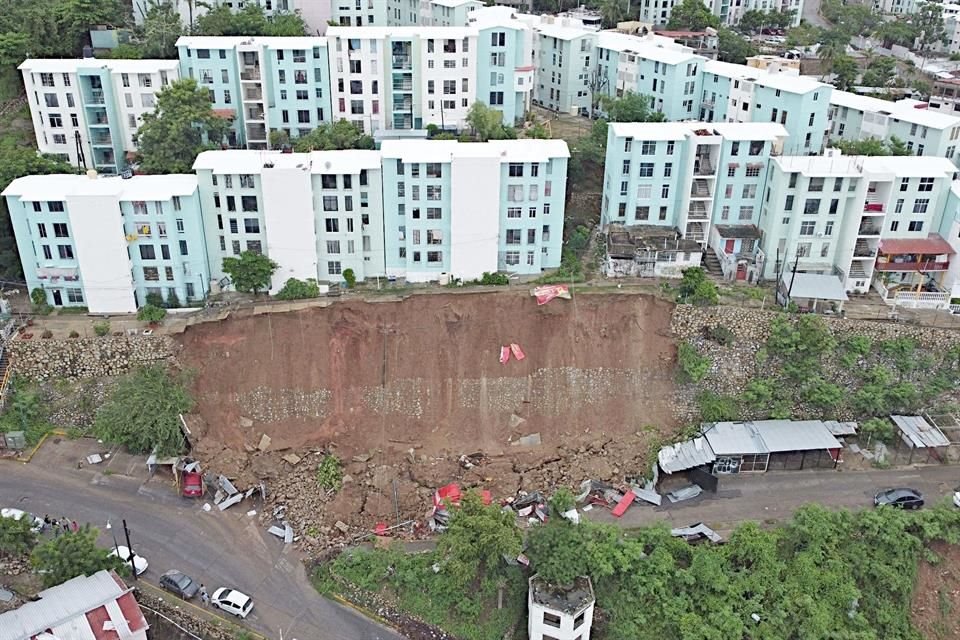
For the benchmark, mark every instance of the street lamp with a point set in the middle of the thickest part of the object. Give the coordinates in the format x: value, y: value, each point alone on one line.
x: 131, y: 556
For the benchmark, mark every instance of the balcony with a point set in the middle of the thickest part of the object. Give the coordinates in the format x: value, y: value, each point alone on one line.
x: 699, y: 189
x: 402, y: 63
x: 403, y: 106
x: 697, y: 211
x: 96, y: 97
x: 254, y: 113
x: 256, y: 132
x: 869, y: 230
x: 885, y: 264
x: 872, y: 207
x: 101, y: 139
x: 250, y: 73
x: 703, y: 167
x: 863, y: 250
x: 253, y: 94
x: 402, y: 85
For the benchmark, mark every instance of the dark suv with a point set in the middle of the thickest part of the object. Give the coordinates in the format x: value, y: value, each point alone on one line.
x: 903, y: 498
x: 179, y: 583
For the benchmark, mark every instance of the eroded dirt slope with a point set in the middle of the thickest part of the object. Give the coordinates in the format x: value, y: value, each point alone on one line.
x: 425, y: 372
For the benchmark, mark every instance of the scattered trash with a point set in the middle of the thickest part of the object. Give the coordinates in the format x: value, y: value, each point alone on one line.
x: 588, y: 507
x: 469, y: 461
x: 264, y: 442
x: 206, y: 506
x: 230, y: 501
x: 94, y: 458
x: 696, y: 533
x: 380, y: 529
x: 531, y: 440
x: 6, y: 596
x: 524, y: 560
x: 504, y: 355
x: 277, y: 531
x: 573, y: 516
x: 647, y: 495
x: 517, y: 351
x: 252, y: 512
x: 363, y: 457
x: 546, y: 293
x: 624, y: 504
x: 685, y: 493
x: 435, y: 567
x: 292, y: 458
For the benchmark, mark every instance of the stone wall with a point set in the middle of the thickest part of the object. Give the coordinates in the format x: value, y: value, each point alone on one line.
x: 39, y: 359
x: 178, y: 623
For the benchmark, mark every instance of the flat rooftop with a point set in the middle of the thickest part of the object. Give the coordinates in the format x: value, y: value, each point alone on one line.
x: 790, y: 82
x: 254, y: 162
x: 72, y: 65
x: 62, y: 186
x: 681, y: 130
x: 906, y: 110
x: 627, y: 241
x: 571, y: 599
x: 272, y: 42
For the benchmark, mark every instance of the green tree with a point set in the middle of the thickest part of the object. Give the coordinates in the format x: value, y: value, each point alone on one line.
x: 692, y: 15
x: 286, y: 24
x: 891, y: 32
x: 613, y: 12
x: 332, y: 137
x: 181, y: 126
x: 294, y: 289
x: 879, y: 429
x: 930, y: 28
x: 630, y: 107
x: 143, y: 412
x: 561, y: 551
x: 870, y: 147
x: 279, y: 138
x: 880, y: 72
x: 350, y: 278
x: 16, y: 537
x: 151, y: 313
x: 75, y: 18
x: 250, y: 272
x: 70, y: 555
x: 696, y: 288
x: 160, y: 30
x: 477, y: 539
x: 803, y: 35
x: 485, y: 121
x: 753, y: 21
x: 538, y: 131
x: 732, y: 47
x: 693, y: 366
x: 845, y: 71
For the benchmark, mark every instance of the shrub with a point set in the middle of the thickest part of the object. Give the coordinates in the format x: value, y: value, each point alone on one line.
x: 173, y: 300
x: 47, y: 334
x: 494, y: 278
x: 562, y: 500
x: 155, y: 299
x: 694, y: 366
x: 350, y: 277
x: 880, y: 429
x: 696, y: 288
x: 38, y: 296
x: 74, y: 334
x: 717, y: 408
x: 151, y: 313
x: 101, y: 328
x: 720, y: 334
x: 330, y: 473
x: 294, y: 289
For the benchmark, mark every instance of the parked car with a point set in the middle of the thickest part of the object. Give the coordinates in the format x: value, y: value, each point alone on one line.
x: 232, y: 601
x: 903, y: 498
x: 18, y: 514
x: 192, y: 484
x: 123, y: 553
x: 179, y: 583
x: 956, y: 497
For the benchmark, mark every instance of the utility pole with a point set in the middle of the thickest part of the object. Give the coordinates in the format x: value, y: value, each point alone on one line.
x: 792, y: 277
x: 126, y: 532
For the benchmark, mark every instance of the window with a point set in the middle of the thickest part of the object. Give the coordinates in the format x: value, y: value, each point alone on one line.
x: 648, y: 148
x: 516, y: 169
x: 646, y: 170
x: 433, y: 192
x: 641, y: 213
x: 168, y: 273
x: 511, y: 258
x: 248, y: 203
x: 803, y: 249
x: 551, y: 620
x: 330, y: 203
x: 333, y: 246
x: 667, y: 170
x: 807, y: 228
x: 626, y: 167
x: 183, y: 248
x: 251, y: 225
x: 812, y: 205
x: 926, y: 184
x: 433, y: 170
x: 904, y: 184
x: 47, y: 253
x: 753, y: 170
x: 816, y: 184
x: 56, y: 121
x: 788, y: 205
x: 824, y: 249
x: 151, y: 274
x: 731, y: 170
x: 793, y: 180
x: 433, y: 213
x: 147, y: 252
x: 434, y: 256
x: 749, y: 191
x: 235, y: 245
x: 894, y: 225
x: 333, y: 268
x: 513, y: 236
x: 665, y: 191
x: 746, y: 213
x: 332, y: 225
x: 834, y: 204
x: 734, y: 148
x: 75, y: 295
x: 514, y: 212
x: 670, y: 146
x: 916, y: 225
x: 920, y: 206
x: 898, y: 207
x: 246, y: 181
x: 59, y: 230
x: 55, y: 206
x: 328, y: 181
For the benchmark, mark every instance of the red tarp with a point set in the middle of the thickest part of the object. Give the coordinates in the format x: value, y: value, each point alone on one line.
x: 504, y: 355
x: 450, y: 492
x: 517, y: 351
x: 624, y: 504
x: 486, y: 496
x: 547, y: 293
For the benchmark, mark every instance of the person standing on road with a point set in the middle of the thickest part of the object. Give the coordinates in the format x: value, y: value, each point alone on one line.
x: 204, y: 598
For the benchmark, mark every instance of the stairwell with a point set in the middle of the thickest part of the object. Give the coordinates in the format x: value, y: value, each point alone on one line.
x: 712, y: 263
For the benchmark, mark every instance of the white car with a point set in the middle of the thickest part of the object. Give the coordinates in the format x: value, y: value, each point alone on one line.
x: 18, y: 514
x: 123, y: 553
x: 956, y: 498
x: 232, y: 601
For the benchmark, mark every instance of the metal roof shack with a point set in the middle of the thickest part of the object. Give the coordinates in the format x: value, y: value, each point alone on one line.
x: 734, y: 438
x: 97, y: 607
x: 918, y: 433
x: 685, y: 455
x: 796, y: 435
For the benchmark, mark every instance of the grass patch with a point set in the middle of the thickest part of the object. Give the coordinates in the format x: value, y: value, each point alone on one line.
x: 411, y: 584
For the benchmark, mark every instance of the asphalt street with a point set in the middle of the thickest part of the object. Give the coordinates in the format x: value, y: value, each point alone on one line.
x: 217, y: 549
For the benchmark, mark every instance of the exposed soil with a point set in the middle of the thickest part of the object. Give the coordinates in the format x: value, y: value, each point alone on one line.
x: 936, y: 598
x: 401, y: 389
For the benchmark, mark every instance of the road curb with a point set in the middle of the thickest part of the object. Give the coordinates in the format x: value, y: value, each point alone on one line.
x: 207, y: 613
x: 336, y: 597
x: 36, y: 447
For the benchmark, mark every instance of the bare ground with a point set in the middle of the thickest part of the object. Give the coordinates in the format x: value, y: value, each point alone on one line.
x: 936, y: 598
x: 402, y: 389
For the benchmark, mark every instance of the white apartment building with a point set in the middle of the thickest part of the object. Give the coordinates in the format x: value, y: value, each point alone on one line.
x: 403, y: 77
x: 87, y: 110
x: 315, y: 13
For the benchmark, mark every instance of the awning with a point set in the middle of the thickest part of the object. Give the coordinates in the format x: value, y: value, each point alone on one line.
x: 932, y: 245
x: 919, y: 433
x: 816, y: 286
x: 685, y: 455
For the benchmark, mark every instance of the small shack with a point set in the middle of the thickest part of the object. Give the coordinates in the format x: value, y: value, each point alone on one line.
x: 918, y: 433
x: 812, y: 292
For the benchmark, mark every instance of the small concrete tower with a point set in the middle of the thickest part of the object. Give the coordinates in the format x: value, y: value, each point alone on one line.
x: 560, y: 613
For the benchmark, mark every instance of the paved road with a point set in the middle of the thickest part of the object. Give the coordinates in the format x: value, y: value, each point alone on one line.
x: 777, y: 494
x: 811, y: 13
x: 215, y: 548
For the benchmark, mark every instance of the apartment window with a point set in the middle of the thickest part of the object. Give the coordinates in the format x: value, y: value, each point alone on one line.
x: 151, y: 274
x: 334, y: 268
x: 920, y: 206
x: 147, y: 252
x: 248, y: 203
x: 183, y: 248
x: 626, y: 167
x: 46, y: 79
x: 47, y: 254
x: 646, y: 170
x: 641, y: 213
x: 55, y: 120
x: 670, y: 146
x: 55, y: 206
x: 828, y: 228
x: 333, y: 247
x: 332, y: 225
x: 731, y: 170
x: 915, y: 225
x: 816, y: 184
x: 513, y: 236
x: 788, y: 205
x: 803, y: 249
x: 894, y: 225
x: 749, y: 191
x: 753, y: 170
x: 926, y: 184
x: 665, y: 191
x: 235, y: 246
x: 75, y: 295
x: 898, y: 206
x: 516, y: 169
x: 433, y: 170
x: 59, y: 138
x: 811, y: 205
x: 251, y: 225
x: 514, y: 212
x: 648, y: 148
x: 330, y: 203
x: 449, y: 87
x: 808, y: 227
x: 433, y: 213
x: 532, y: 212
x: 746, y: 213
x: 512, y: 258
x: 793, y: 180
x: 433, y: 192
x: 904, y: 184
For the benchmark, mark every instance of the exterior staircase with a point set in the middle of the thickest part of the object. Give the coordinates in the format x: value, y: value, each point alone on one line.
x: 712, y: 263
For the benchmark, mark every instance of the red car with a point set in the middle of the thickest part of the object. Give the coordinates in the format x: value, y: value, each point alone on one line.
x: 192, y: 484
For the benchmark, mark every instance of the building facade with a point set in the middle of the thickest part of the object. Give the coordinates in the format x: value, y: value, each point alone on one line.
x: 87, y: 111
x: 106, y: 243
x: 315, y: 13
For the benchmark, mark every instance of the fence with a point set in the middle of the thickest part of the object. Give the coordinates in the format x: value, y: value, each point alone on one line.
x: 913, y: 299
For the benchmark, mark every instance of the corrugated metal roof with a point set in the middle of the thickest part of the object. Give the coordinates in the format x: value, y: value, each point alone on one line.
x: 795, y: 435
x: 816, y: 286
x: 931, y: 245
x: 732, y: 438
x: 841, y: 428
x: 60, y: 604
x: 919, y: 433
x: 685, y: 455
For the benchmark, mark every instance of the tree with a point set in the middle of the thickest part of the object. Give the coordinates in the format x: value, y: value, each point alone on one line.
x: 733, y: 48
x: 294, y: 289
x: 560, y: 551
x: 181, y: 126
x: 152, y: 313
x: 873, y: 147
x: 879, y: 429
x: 350, y: 278
x: 477, y: 539
x: 696, y: 288
x: 929, y: 26
x: 879, y: 72
x: 828, y: 53
x: 250, y: 272
x: 76, y: 17
x: 613, y: 12
x: 250, y: 21
x: 19, y: 162
x: 893, y: 32
x: 692, y: 15
x: 485, y: 121
x: 286, y: 24
x: 160, y: 30
x: 803, y: 35
x: 143, y: 412
x: 538, y: 131
x: 332, y: 137
x: 845, y: 72
x: 16, y: 536
x: 72, y: 554
x: 630, y: 107
x: 278, y: 138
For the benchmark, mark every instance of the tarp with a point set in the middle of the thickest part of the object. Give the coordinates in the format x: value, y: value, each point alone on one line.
x: 624, y: 504
x: 547, y: 293
x: 504, y: 355
x: 450, y: 493
x: 517, y: 351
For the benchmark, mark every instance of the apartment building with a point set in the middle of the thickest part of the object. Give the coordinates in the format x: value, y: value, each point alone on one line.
x: 87, y: 111
x: 704, y: 180
x: 564, y: 55
x: 264, y: 84
x: 315, y: 13
x: 360, y: 13
x: 738, y: 93
x: 106, y: 242
x: 871, y: 221
x: 466, y: 208
x: 925, y: 131
x: 729, y: 12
